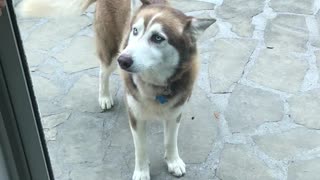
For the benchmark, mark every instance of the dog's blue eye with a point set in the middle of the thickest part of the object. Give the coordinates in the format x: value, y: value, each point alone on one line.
x: 157, y: 38
x: 135, y: 31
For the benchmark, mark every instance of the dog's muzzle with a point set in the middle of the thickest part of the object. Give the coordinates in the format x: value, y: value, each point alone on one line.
x: 125, y: 61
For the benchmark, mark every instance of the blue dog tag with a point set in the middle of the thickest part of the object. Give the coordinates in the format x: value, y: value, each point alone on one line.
x: 161, y: 99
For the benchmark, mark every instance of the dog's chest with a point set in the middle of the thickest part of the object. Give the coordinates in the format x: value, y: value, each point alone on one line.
x: 151, y: 92
x: 148, y: 109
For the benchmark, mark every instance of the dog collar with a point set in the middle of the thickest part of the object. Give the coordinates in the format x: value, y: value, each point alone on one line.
x: 161, y: 99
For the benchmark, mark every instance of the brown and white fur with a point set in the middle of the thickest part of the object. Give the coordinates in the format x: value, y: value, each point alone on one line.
x: 157, y: 52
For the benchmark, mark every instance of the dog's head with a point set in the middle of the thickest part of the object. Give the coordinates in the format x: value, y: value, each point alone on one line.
x: 161, y: 40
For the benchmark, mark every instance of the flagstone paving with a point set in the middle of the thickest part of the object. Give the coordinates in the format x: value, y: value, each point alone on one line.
x: 254, y: 113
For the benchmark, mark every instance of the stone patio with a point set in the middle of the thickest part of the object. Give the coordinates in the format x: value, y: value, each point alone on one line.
x: 254, y: 114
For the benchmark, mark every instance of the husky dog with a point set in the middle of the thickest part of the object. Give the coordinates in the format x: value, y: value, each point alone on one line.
x: 156, y: 49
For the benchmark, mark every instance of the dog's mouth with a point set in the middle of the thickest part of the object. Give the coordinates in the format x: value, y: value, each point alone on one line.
x: 130, y: 70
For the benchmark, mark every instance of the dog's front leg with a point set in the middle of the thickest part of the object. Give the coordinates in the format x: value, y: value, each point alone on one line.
x: 175, y: 164
x: 138, y: 129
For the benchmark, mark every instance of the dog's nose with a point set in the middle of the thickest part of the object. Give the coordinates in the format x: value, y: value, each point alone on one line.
x: 125, y: 61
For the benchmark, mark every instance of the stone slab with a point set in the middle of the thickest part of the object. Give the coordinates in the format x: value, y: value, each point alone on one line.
x: 189, y: 6
x: 250, y: 107
x: 50, y: 123
x: 55, y: 31
x: 199, y: 128
x: 288, y: 144
x: 53, y: 121
x: 304, y: 170
x: 79, y: 55
x: 50, y: 66
x: 237, y: 162
x: 83, y: 96
x: 35, y: 57
x: 101, y: 171
x: 26, y: 24
x: 239, y: 13
x: 226, y: 66
x: 279, y: 70
x: 293, y: 6
x: 287, y: 33
x: 81, y: 139
x: 315, y: 41
x: 317, y: 53
x: 44, y: 88
x: 305, y: 108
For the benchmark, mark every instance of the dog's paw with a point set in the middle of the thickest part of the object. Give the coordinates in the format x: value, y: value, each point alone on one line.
x: 106, y: 102
x: 176, y: 167
x: 141, y: 175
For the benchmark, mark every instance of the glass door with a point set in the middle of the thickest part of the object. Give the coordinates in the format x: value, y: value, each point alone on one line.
x: 21, y: 134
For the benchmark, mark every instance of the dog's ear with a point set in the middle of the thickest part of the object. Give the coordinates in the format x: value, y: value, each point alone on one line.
x: 197, y: 26
x: 145, y: 2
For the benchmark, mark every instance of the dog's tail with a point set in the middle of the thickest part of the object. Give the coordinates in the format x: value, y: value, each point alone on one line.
x: 53, y: 8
